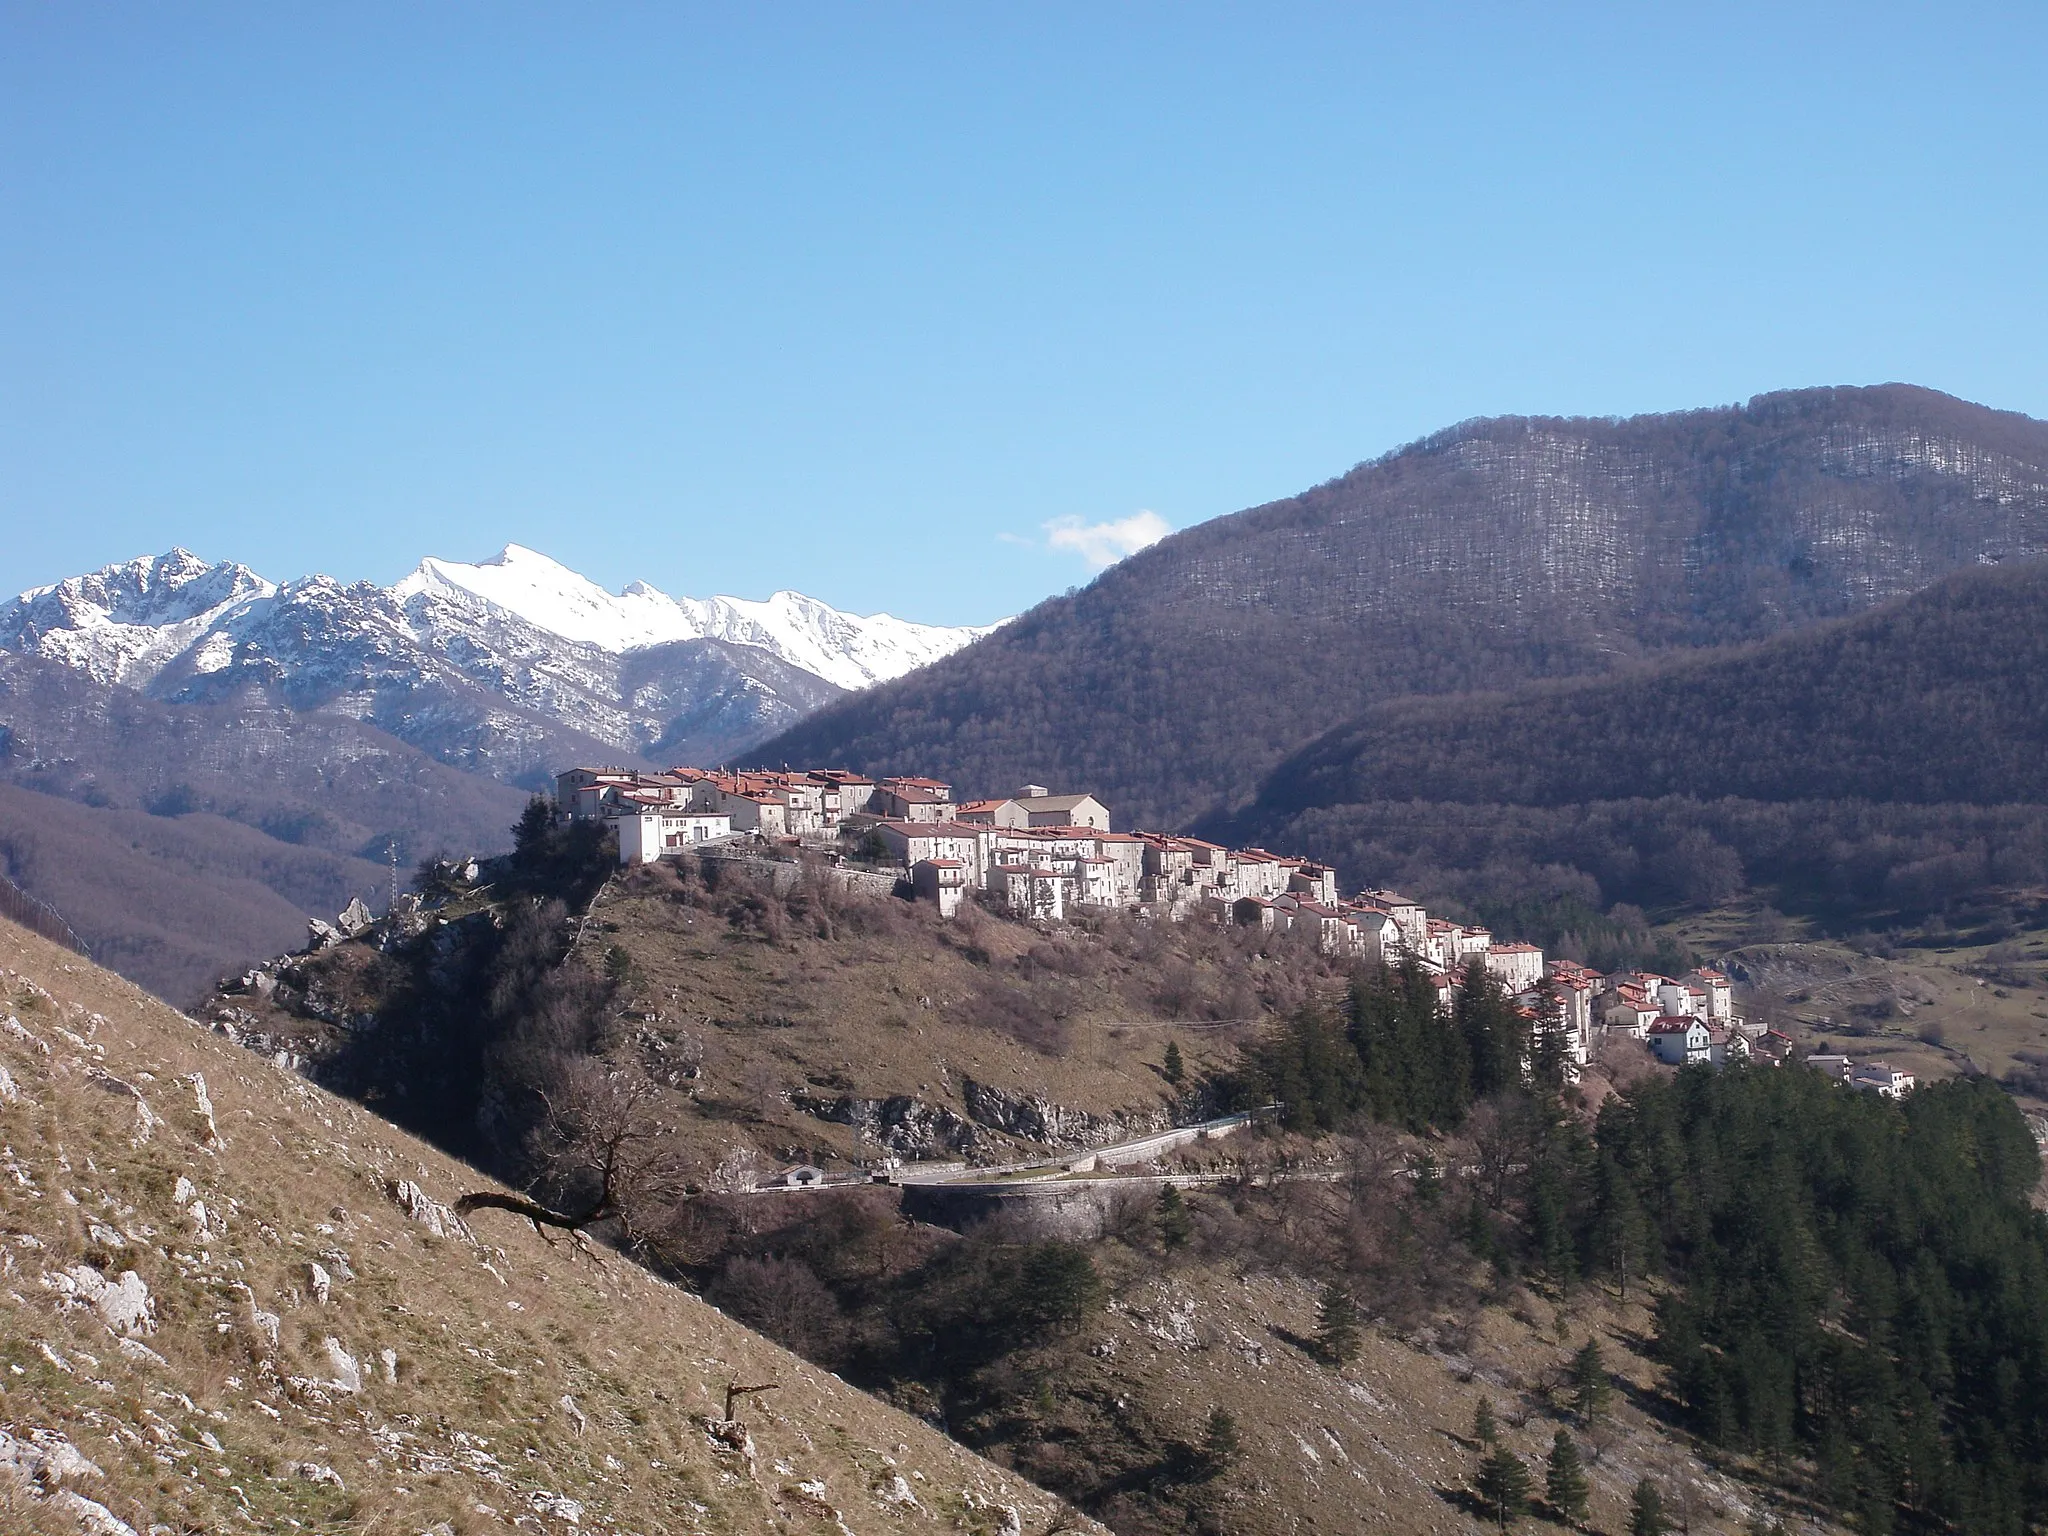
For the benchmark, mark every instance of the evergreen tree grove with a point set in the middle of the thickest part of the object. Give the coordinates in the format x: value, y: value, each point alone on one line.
x: 1854, y: 1280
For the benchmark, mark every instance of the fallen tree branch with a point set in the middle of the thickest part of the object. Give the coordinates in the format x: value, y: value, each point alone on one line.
x: 734, y: 1391
x: 539, y: 1215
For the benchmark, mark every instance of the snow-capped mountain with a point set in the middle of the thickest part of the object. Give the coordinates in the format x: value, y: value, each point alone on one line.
x: 842, y: 648
x: 508, y: 667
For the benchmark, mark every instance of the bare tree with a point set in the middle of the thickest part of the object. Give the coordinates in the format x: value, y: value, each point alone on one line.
x: 603, y: 1150
x: 1504, y: 1133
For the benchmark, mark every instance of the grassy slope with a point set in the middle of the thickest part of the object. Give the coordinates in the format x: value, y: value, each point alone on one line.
x: 489, y: 1340
x: 1386, y: 1443
x: 892, y: 1003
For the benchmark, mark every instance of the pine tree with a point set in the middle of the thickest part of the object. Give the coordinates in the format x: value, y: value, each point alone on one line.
x: 1174, y: 1224
x: 1620, y: 1233
x: 1175, y: 1069
x: 1646, y: 1511
x: 1564, y: 1482
x: 1592, y: 1388
x: 1549, y: 1041
x: 530, y: 832
x: 1220, y: 1444
x: 1503, y: 1485
x: 1337, y: 1324
x: 1483, y: 1428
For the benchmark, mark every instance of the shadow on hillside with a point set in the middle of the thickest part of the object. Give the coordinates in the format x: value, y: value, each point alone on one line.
x: 1651, y: 1403
x: 1465, y: 1499
x: 1288, y: 1336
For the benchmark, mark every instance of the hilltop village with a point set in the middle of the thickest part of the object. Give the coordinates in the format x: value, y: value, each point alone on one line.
x: 1042, y: 856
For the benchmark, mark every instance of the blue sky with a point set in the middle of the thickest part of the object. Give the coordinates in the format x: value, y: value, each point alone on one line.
x: 903, y: 306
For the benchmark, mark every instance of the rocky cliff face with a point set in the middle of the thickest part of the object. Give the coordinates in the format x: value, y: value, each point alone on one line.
x: 1492, y: 553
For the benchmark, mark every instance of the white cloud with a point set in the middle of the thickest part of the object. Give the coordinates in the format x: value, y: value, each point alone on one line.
x: 1103, y: 544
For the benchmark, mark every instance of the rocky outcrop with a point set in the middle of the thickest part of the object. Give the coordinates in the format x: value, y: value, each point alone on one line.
x: 1033, y: 1117
x: 906, y: 1126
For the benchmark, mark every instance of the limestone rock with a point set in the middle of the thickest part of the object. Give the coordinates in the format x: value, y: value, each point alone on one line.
x: 426, y: 1210
x: 124, y: 1305
x: 348, y: 1371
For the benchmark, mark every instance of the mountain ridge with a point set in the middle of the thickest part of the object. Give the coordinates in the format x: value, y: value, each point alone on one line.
x: 1878, y: 774
x: 509, y: 667
x: 1497, y: 551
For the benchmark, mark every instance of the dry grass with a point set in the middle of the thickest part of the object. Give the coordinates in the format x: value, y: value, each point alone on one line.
x: 1386, y: 1443
x: 493, y: 1341
x: 910, y: 1006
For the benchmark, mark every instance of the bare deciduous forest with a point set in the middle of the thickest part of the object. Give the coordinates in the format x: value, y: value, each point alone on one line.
x: 1478, y: 559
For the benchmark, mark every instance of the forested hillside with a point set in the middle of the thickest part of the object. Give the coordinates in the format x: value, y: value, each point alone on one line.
x: 1877, y: 769
x: 1491, y: 554
x: 1853, y: 1286
x: 1941, y: 697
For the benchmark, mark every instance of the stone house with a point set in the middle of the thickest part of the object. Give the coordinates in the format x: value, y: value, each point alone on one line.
x: 1880, y: 1078
x: 1718, y: 992
x: 910, y: 843
x: 1518, y: 966
x: 912, y: 799
x: 1318, y: 882
x: 1376, y: 936
x: 1255, y: 872
x: 1044, y: 810
x: 1726, y: 1044
x: 1034, y: 891
x: 1628, y: 1011
x: 846, y: 794
x: 1410, y: 917
x: 1773, y: 1048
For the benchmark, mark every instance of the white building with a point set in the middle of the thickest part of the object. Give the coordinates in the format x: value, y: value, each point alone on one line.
x: 1880, y: 1078
x: 645, y: 837
x: 1681, y: 1042
x: 942, y: 882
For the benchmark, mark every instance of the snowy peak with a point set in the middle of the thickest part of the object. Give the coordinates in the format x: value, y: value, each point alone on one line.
x: 850, y: 650
x: 125, y: 623
x: 530, y: 586
x: 486, y: 666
